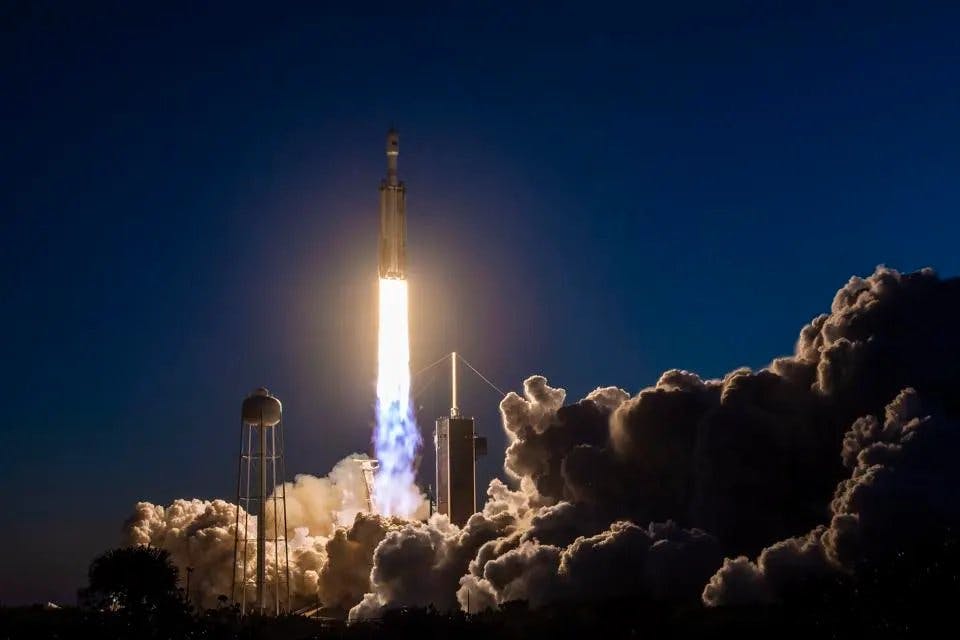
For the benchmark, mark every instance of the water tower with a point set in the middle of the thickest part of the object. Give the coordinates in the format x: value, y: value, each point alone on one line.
x: 261, y: 497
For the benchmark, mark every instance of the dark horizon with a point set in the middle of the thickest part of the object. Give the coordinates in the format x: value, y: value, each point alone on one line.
x: 190, y: 200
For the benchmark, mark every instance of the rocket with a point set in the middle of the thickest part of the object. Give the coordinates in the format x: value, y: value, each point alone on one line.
x: 393, y: 216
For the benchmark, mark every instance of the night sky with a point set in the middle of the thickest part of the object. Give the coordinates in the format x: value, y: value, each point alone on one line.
x: 189, y: 210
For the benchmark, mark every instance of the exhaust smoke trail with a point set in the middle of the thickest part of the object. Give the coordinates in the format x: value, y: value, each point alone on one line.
x: 396, y: 438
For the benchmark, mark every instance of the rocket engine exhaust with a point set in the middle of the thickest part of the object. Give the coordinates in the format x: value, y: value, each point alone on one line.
x: 396, y: 438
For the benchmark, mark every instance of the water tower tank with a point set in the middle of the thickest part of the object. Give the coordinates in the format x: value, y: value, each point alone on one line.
x: 261, y: 408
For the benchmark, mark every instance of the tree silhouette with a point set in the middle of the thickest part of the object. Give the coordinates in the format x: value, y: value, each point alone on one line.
x: 140, y: 582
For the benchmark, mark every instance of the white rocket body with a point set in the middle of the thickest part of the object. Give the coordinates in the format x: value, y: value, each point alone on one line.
x: 393, y: 216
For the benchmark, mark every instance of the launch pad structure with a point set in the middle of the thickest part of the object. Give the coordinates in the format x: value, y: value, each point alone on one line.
x: 457, y: 447
x: 368, y: 468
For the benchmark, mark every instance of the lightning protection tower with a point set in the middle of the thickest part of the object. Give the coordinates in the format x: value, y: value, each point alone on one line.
x: 457, y: 447
x: 261, y: 496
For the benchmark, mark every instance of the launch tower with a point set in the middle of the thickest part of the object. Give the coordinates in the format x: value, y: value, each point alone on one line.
x: 457, y: 448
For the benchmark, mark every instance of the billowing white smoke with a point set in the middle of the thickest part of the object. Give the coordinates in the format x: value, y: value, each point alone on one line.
x: 525, y: 545
x: 200, y: 533
x: 441, y: 550
x: 197, y: 533
x: 645, y: 495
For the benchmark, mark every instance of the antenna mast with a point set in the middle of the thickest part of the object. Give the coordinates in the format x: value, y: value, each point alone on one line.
x: 454, y: 409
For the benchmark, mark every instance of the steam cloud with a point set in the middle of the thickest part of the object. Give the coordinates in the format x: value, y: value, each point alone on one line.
x: 722, y: 491
x: 331, y: 536
x: 646, y: 495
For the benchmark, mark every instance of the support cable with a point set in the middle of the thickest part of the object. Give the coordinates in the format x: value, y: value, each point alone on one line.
x: 482, y: 377
x: 423, y: 387
x: 431, y: 366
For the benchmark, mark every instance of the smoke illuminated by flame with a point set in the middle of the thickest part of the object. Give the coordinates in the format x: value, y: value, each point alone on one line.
x: 397, y: 437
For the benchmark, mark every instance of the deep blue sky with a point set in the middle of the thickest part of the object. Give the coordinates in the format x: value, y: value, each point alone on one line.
x: 189, y: 210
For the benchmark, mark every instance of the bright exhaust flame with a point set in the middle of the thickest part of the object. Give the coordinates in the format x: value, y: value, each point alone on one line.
x: 397, y: 437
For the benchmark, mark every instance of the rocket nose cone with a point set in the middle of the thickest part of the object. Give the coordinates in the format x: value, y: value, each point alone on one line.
x: 393, y: 142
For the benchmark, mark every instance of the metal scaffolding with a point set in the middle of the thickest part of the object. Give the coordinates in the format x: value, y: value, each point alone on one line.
x: 261, y: 496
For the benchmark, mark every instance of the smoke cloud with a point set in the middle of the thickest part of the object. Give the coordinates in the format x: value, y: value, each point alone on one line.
x: 899, y: 497
x: 645, y: 495
x: 736, y: 490
x: 331, y: 537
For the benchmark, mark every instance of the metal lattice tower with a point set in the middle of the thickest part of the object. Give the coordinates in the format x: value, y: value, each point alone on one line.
x: 261, y: 496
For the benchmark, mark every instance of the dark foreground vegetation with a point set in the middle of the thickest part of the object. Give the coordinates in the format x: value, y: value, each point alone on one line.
x: 135, y: 594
